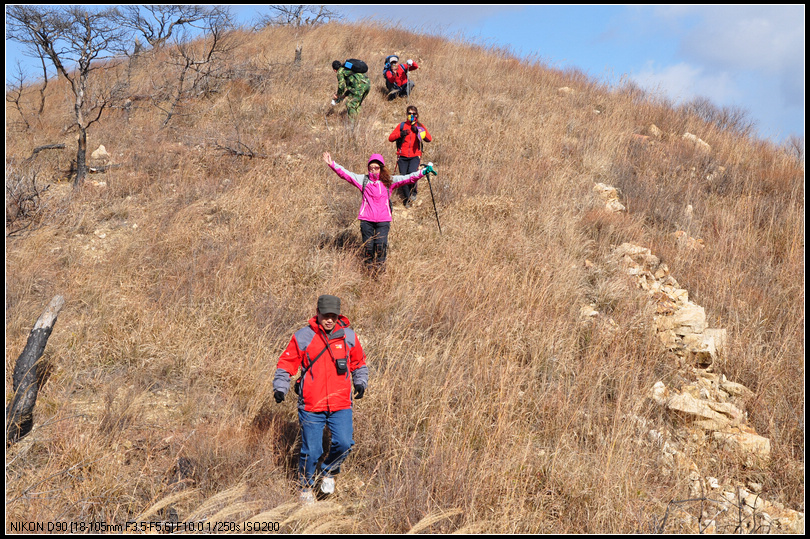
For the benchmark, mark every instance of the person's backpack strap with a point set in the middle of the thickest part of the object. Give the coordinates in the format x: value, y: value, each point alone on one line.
x: 401, y: 139
x: 312, y: 361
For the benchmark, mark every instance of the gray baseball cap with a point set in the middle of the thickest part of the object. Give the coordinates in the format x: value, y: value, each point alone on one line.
x: 329, y: 304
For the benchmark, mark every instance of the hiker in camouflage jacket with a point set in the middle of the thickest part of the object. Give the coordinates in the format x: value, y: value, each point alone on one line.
x: 352, y: 86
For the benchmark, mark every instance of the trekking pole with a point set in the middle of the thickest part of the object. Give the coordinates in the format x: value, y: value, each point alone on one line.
x: 433, y: 199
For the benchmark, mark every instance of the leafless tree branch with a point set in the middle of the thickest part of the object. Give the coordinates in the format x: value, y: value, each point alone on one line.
x: 298, y: 16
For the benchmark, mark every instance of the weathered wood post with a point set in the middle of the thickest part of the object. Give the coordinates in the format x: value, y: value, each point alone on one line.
x: 29, y: 375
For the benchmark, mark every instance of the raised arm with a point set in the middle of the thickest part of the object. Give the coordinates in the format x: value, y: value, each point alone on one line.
x: 413, y: 177
x: 351, y: 177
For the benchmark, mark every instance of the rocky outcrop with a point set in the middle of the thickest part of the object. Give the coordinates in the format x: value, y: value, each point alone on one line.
x: 698, y: 142
x: 706, y: 410
x: 610, y: 196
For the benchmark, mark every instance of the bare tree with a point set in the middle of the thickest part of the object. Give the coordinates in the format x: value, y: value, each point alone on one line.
x: 198, y: 59
x: 298, y: 16
x: 15, y: 88
x: 23, y: 199
x: 795, y: 144
x: 75, y: 40
x: 157, y: 23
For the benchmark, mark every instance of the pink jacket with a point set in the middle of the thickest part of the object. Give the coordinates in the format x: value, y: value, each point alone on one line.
x: 375, y: 206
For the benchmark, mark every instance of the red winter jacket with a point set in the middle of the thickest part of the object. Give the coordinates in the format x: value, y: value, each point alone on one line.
x: 321, y: 388
x: 411, y: 145
x: 399, y: 75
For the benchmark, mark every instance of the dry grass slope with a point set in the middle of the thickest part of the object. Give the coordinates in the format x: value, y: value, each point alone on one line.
x: 490, y: 407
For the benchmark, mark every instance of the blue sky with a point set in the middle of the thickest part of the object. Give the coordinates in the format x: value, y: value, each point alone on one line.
x: 745, y: 56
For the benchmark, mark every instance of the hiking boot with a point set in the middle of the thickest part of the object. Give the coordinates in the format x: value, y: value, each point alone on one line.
x: 307, y: 497
x: 328, y: 485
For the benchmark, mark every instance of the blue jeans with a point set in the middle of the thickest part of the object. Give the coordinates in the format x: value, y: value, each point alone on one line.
x: 312, y: 425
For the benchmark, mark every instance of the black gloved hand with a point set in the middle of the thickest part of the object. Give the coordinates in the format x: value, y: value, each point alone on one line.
x: 278, y: 395
x: 414, y: 127
x: 359, y: 391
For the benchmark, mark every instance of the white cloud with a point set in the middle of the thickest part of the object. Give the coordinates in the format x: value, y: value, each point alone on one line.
x: 750, y: 55
x: 681, y: 82
x: 765, y: 41
x: 748, y: 37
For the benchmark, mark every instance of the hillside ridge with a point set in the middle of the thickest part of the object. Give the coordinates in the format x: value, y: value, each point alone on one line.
x: 533, y: 367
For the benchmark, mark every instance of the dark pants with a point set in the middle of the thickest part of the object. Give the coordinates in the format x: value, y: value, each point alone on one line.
x: 395, y: 91
x: 375, y: 242
x: 406, y: 166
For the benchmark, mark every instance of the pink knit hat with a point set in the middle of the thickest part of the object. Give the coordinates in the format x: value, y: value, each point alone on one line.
x: 377, y: 157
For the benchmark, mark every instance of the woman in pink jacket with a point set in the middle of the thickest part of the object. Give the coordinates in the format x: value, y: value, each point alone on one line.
x: 375, y: 207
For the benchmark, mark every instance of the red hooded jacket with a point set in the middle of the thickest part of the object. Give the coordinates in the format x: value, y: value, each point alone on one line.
x: 321, y: 388
x: 411, y: 144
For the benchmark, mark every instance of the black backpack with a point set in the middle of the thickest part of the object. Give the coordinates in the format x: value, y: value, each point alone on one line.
x: 355, y: 65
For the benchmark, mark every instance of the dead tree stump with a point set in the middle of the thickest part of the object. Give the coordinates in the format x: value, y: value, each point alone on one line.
x: 30, y: 374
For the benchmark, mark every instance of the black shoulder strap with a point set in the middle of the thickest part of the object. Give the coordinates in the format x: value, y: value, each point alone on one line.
x: 312, y: 361
x: 401, y: 138
x: 338, y: 333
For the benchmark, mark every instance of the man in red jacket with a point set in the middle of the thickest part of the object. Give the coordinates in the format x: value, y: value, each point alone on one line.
x: 332, y: 363
x: 396, y: 77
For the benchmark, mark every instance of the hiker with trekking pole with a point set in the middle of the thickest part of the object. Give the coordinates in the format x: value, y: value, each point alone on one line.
x: 397, y: 81
x: 409, y: 136
x: 375, y: 207
x: 353, y: 84
x: 332, y: 364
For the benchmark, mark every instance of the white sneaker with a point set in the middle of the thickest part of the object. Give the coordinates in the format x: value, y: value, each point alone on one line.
x: 328, y: 485
x: 307, y: 497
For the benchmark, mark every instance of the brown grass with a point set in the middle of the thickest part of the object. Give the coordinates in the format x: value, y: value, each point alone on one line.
x: 490, y: 408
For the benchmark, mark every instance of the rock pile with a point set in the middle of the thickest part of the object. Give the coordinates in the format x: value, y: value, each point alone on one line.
x: 610, y: 196
x: 707, y: 410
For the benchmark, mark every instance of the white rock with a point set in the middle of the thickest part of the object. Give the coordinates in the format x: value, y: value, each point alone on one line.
x: 697, y: 141
x: 691, y: 318
x: 659, y: 393
x: 100, y: 153
x: 615, y: 206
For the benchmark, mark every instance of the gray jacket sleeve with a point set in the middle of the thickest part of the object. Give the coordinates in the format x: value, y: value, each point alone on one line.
x: 360, y: 376
x: 281, y: 381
